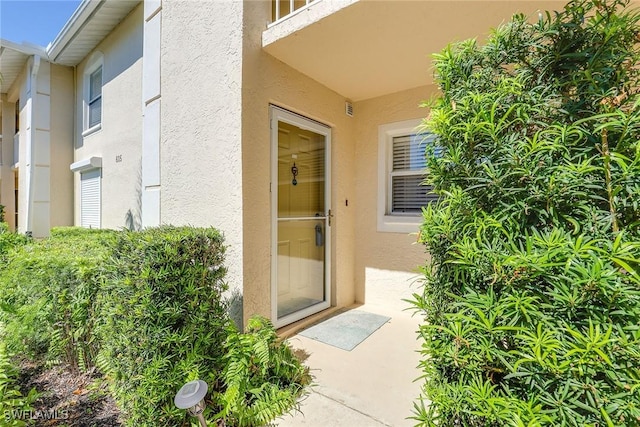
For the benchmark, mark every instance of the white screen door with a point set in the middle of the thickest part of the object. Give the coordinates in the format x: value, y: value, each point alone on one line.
x: 301, y: 216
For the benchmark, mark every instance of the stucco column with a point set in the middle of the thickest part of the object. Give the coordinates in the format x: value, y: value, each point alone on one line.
x: 7, y: 175
x: 201, y: 121
x: 37, y: 194
x: 151, y: 103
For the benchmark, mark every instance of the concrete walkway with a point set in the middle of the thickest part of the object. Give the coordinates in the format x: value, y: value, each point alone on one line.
x: 372, y: 385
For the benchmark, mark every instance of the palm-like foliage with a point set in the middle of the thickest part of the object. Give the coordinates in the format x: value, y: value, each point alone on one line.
x: 262, y: 377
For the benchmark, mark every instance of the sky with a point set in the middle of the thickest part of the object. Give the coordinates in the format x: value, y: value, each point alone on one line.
x: 34, y: 21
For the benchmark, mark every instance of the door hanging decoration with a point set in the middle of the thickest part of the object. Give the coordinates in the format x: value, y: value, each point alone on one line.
x: 294, y: 172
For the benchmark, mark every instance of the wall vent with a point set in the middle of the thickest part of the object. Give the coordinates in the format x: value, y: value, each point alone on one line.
x: 348, y: 107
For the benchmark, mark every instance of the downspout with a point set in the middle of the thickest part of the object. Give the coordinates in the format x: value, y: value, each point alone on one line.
x: 74, y: 142
x: 31, y: 146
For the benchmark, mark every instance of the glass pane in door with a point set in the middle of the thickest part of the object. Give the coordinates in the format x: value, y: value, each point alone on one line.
x: 301, y: 219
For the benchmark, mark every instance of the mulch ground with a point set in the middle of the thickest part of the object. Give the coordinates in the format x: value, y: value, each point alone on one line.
x: 67, y: 399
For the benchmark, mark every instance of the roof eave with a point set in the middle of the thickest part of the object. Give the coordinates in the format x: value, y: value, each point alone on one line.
x: 27, y: 49
x: 13, y: 56
x: 78, y: 20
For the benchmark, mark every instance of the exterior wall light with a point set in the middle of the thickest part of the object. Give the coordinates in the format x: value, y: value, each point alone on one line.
x: 191, y: 397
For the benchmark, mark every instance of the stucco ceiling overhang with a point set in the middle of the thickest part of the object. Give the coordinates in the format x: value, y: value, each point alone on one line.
x: 370, y: 48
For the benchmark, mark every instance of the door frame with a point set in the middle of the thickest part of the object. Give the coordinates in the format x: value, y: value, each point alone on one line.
x: 277, y: 114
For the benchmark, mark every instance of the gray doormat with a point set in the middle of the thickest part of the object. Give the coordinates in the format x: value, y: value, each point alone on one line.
x: 346, y: 330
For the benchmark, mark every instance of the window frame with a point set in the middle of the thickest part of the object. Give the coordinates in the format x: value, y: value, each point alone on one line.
x: 95, y: 64
x: 387, y: 221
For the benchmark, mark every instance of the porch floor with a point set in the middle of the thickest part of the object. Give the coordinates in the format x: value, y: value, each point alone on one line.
x: 373, y: 384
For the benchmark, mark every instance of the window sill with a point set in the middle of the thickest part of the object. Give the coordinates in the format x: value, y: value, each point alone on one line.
x: 92, y: 130
x: 399, y: 224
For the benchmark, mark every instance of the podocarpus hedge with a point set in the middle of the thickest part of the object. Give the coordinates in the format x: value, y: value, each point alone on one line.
x: 47, y: 293
x: 532, y: 292
x: 147, y: 309
x: 163, y: 318
x: 8, y: 242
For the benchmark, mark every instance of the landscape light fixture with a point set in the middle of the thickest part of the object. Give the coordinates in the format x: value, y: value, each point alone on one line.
x: 191, y: 397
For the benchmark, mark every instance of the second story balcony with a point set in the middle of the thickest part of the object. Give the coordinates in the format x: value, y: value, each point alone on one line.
x: 362, y: 49
x: 283, y: 9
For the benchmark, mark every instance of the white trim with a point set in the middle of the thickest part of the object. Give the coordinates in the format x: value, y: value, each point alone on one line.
x: 84, y: 12
x: 392, y: 223
x: 280, y: 115
x: 24, y: 48
x: 31, y: 139
x: 95, y: 62
x: 92, y: 130
x: 86, y: 164
x: 151, y: 120
x: 289, y: 15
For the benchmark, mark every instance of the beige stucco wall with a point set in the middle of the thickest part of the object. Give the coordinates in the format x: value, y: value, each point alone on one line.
x: 201, y: 121
x: 7, y: 176
x: 118, y: 141
x: 45, y: 94
x: 383, y: 250
x: 267, y: 80
x: 61, y: 178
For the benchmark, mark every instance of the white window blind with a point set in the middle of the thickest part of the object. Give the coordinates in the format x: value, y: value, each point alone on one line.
x: 408, y: 164
x: 90, y: 198
x: 95, y: 97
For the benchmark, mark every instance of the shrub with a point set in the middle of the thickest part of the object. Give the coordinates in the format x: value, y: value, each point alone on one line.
x: 13, y: 405
x: 163, y: 320
x: 262, y: 378
x: 532, y: 293
x: 8, y: 242
x: 47, y: 295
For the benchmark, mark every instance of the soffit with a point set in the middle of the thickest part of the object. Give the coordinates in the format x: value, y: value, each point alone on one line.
x: 89, y: 25
x: 372, y: 48
x: 13, y: 57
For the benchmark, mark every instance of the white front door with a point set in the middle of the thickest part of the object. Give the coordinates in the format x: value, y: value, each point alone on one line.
x: 301, y: 218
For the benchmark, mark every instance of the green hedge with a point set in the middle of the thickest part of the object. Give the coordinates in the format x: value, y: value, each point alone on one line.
x: 8, y: 242
x: 163, y: 319
x: 532, y: 293
x: 47, y: 293
x: 147, y: 309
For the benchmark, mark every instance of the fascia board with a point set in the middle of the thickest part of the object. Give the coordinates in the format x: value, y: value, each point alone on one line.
x: 27, y: 49
x: 78, y: 20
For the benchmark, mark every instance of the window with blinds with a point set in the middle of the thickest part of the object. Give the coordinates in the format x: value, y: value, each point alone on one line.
x: 95, y: 97
x: 407, y: 194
